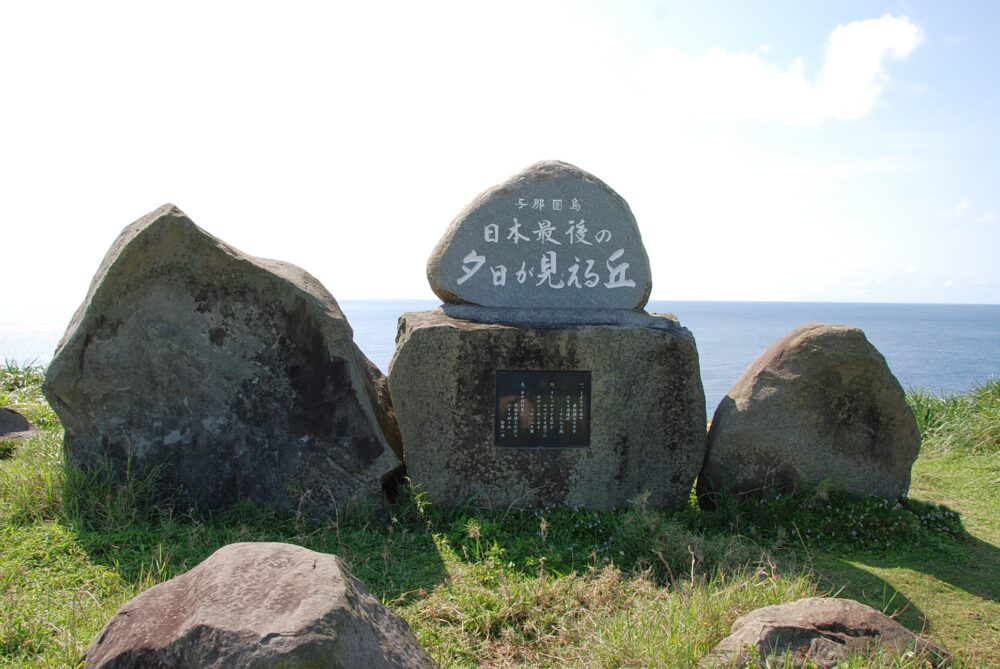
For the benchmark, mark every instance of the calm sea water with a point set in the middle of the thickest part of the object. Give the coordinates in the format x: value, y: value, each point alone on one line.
x: 941, y: 348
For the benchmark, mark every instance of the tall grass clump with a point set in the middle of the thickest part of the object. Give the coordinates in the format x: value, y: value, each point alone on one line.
x: 32, y: 482
x: 967, y: 423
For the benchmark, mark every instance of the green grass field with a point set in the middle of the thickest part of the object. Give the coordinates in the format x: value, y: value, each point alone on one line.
x: 634, y: 588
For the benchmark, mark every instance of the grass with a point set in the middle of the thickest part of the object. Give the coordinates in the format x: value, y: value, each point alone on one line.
x: 564, y: 588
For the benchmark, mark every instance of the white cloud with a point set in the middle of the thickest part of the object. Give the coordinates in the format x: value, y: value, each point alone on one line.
x: 964, y: 212
x: 322, y: 133
x: 723, y: 85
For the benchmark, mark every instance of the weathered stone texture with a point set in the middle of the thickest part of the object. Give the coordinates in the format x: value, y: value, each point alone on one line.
x: 817, y: 632
x: 647, y: 429
x: 551, y: 215
x: 236, y: 376
x: 820, y: 405
x: 258, y: 605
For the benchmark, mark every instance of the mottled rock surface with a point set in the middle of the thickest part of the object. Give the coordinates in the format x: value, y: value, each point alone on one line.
x: 552, y: 235
x: 646, y: 421
x: 820, y: 405
x: 258, y: 605
x: 14, y: 426
x: 819, y: 630
x: 235, y: 377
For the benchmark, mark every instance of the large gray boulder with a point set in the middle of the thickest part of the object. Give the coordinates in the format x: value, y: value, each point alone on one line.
x: 612, y: 406
x: 258, y: 605
x: 553, y: 236
x: 232, y: 377
x: 820, y: 405
x: 818, y: 632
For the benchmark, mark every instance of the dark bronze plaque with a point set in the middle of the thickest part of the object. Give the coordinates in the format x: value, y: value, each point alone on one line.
x: 542, y: 409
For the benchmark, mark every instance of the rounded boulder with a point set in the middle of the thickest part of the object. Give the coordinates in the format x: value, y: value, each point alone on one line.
x: 820, y: 406
x: 258, y: 605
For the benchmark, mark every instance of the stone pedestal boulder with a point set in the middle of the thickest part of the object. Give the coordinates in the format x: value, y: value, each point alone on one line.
x: 820, y: 405
x: 231, y: 377
x: 818, y: 632
x: 258, y: 605
x: 529, y: 409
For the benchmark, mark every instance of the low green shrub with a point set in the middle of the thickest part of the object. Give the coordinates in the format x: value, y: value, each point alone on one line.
x: 834, y: 519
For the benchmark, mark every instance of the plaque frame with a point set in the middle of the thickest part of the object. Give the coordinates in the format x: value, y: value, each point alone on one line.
x: 542, y: 409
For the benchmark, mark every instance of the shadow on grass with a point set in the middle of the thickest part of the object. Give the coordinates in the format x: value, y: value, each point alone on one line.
x: 964, y: 562
x: 559, y: 541
x: 390, y: 549
x: 836, y: 575
x: 398, y: 554
x: 835, y: 553
x: 969, y: 564
x: 921, y: 536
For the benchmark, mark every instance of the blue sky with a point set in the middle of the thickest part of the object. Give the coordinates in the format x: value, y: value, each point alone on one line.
x: 770, y: 150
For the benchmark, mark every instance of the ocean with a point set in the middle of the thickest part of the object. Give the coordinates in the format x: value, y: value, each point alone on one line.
x: 937, y: 347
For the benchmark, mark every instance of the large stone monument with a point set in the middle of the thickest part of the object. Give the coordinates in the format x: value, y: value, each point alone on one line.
x: 227, y: 376
x: 541, y: 381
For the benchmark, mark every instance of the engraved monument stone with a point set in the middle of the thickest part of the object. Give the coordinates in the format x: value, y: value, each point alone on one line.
x: 552, y: 236
x: 541, y: 381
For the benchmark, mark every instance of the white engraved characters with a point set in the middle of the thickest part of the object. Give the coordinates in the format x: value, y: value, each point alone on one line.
x: 499, y: 275
x: 591, y: 278
x: 577, y: 233
x: 544, y: 232
x: 515, y: 234
x: 473, y: 259
x: 547, y: 271
x: 542, y: 415
x: 616, y: 273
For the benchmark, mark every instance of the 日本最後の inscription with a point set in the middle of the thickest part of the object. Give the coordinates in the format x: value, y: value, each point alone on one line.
x: 552, y: 236
x: 542, y: 409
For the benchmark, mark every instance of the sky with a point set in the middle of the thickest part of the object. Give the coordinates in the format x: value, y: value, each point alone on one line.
x: 787, y: 151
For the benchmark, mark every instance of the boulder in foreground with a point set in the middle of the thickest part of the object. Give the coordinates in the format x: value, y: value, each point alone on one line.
x: 820, y: 632
x: 232, y: 377
x: 258, y: 605
x: 14, y: 426
x: 820, y: 405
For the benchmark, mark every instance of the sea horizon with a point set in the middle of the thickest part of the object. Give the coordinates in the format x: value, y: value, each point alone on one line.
x: 939, y: 348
